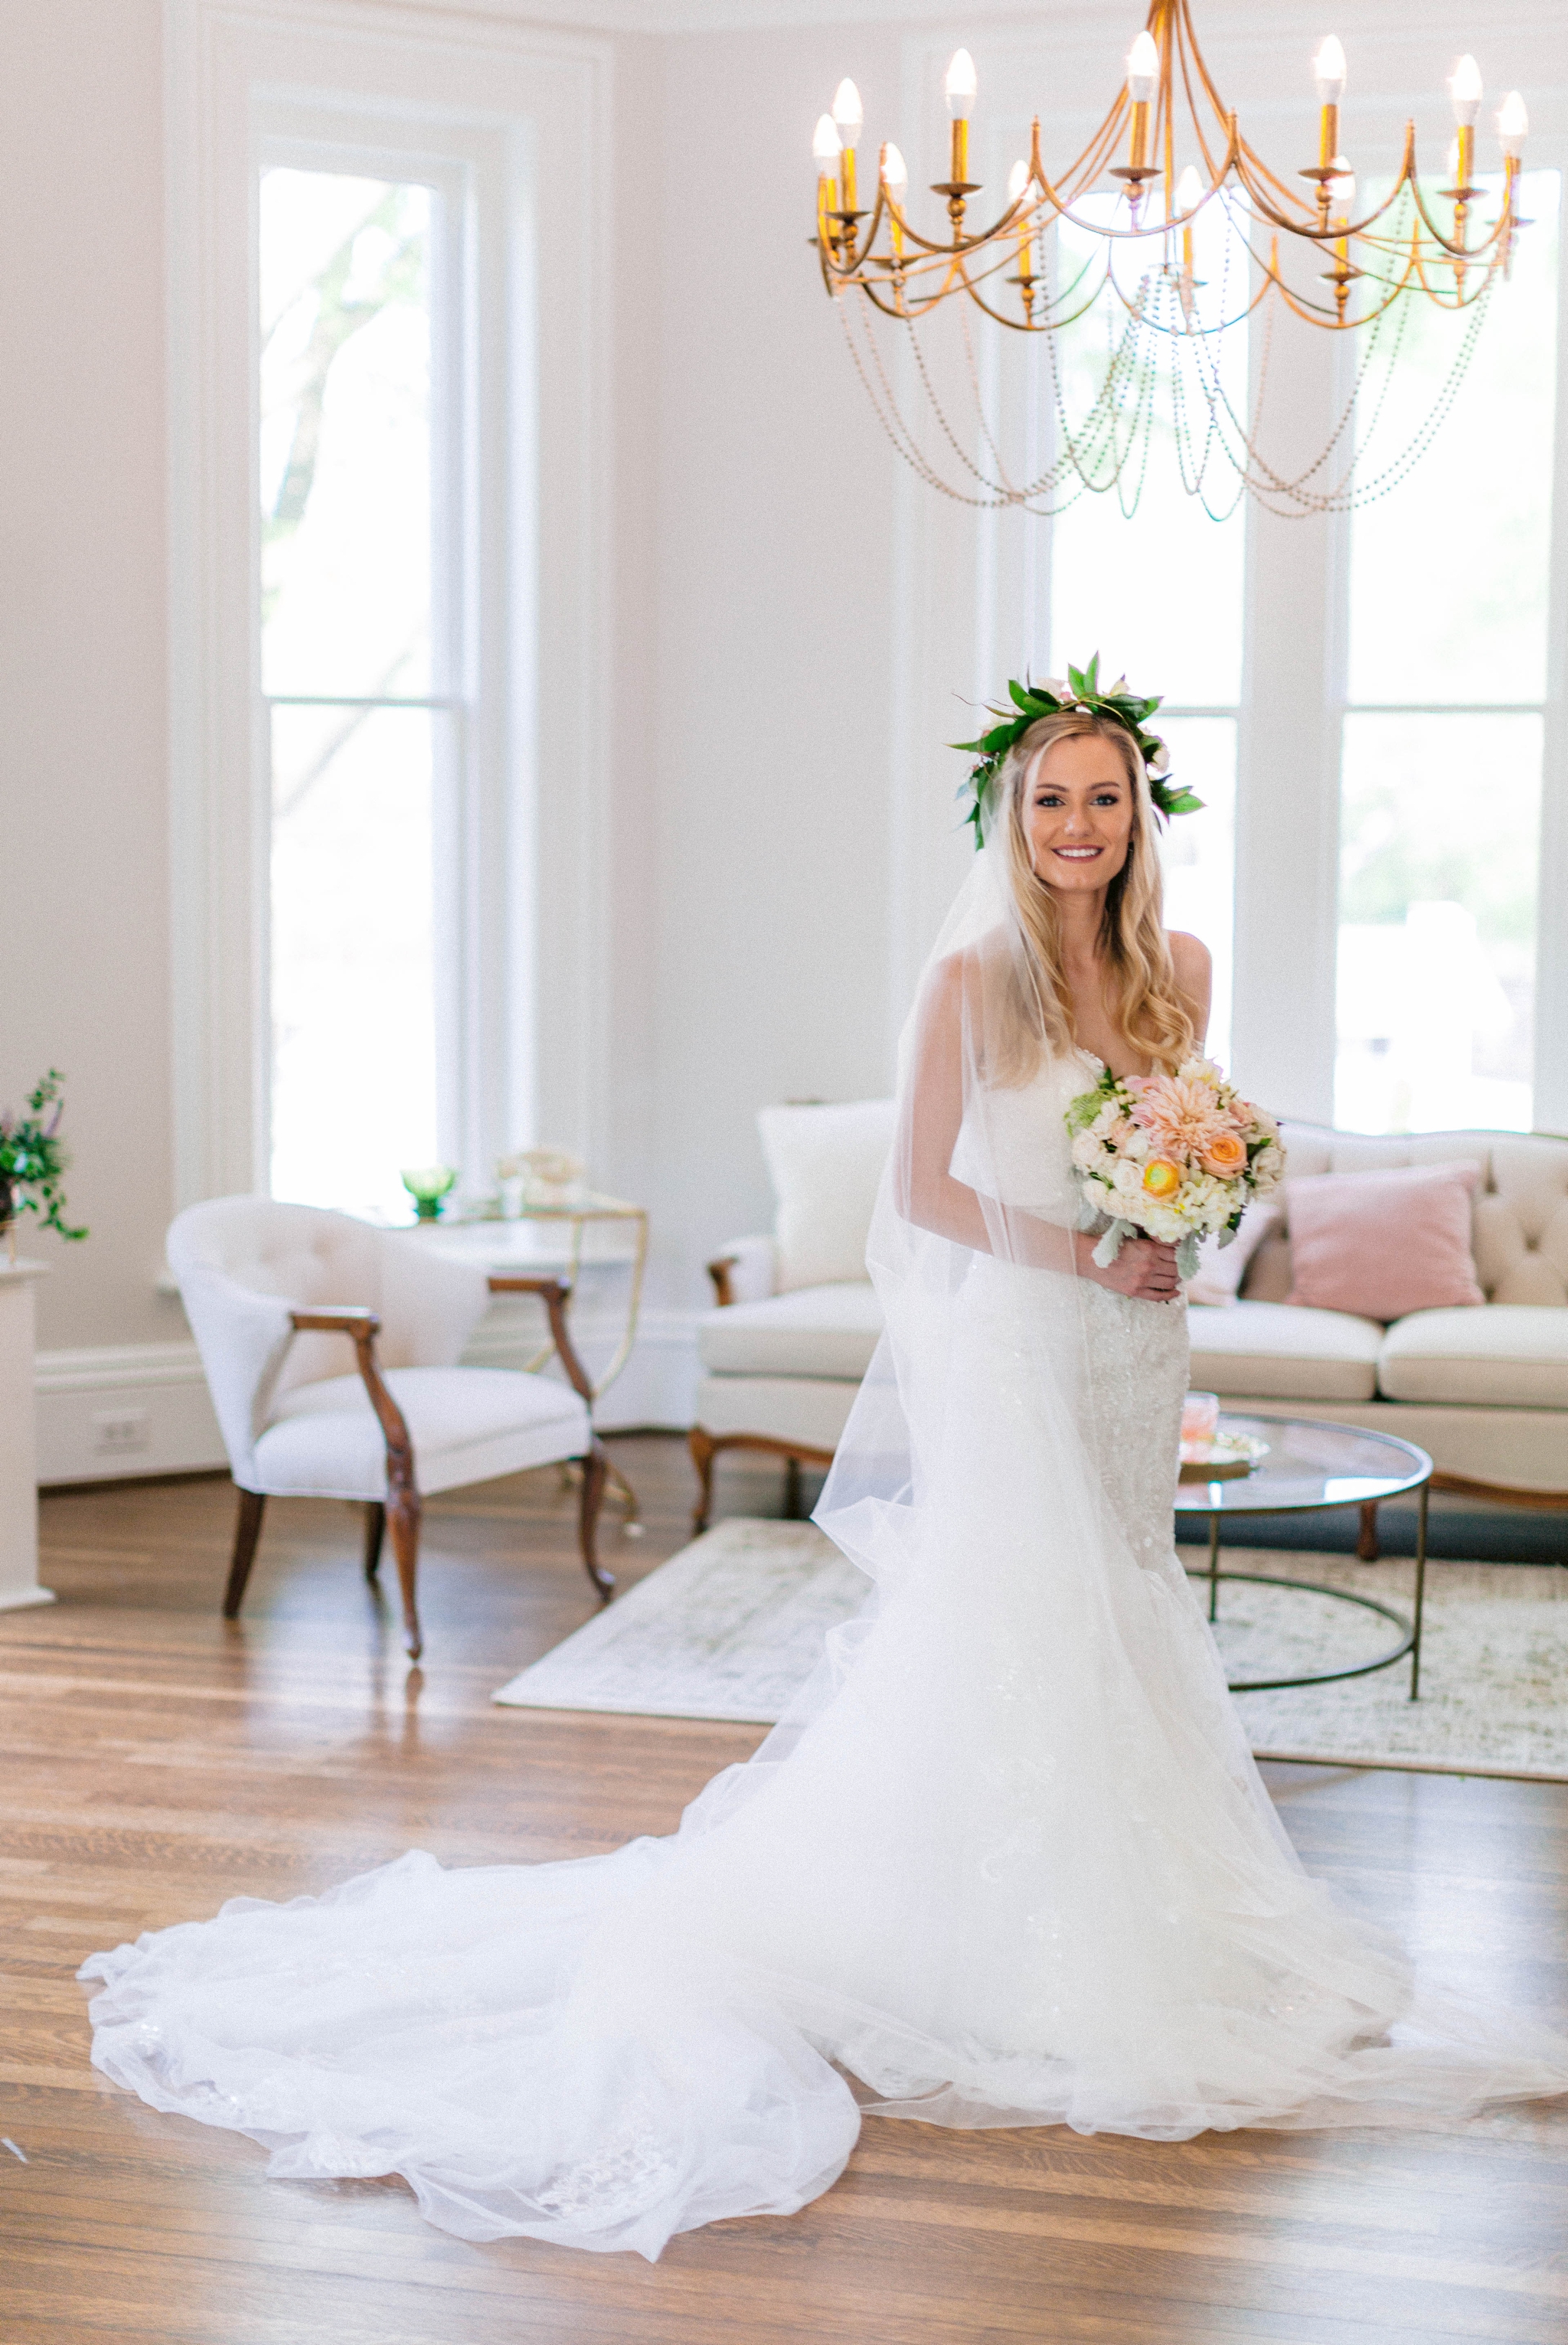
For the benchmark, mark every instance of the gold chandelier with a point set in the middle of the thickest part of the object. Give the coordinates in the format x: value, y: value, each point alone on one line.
x: 1189, y: 190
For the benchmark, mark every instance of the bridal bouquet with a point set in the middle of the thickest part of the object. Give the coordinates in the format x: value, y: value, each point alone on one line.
x: 1178, y: 1157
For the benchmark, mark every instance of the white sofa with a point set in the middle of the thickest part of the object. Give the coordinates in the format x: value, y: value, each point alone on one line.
x: 1485, y: 1389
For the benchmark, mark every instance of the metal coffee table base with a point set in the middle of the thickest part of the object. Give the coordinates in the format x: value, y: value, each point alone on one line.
x: 1409, y: 1630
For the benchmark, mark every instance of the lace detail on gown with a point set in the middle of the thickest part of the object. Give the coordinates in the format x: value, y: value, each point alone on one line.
x: 1009, y: 1862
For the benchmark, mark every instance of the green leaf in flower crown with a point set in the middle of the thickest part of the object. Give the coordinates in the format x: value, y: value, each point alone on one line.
x: 1022, y: 697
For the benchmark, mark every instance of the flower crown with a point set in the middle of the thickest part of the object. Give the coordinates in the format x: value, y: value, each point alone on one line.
x: 1052, y: 698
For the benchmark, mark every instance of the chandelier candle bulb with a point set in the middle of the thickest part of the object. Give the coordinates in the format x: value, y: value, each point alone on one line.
x: 848, y: 114
x: 826, y: 147
x: 1512, y: 125
x: 1017, y: 188
x: 961, y: 88
x: 1143, y: 79
x: 1464, y: 88
x: 1329, y: 73
x: 1188, y: 196
x: 896, y: 182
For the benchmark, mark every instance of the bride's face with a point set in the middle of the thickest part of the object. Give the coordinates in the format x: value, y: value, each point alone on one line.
x: 1079, y: 815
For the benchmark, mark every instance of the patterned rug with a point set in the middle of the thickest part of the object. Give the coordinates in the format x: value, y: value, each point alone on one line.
x: 732, y: 1625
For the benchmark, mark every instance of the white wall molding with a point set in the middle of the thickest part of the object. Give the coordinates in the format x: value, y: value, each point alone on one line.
x: 1069, y: 22
x: 545, y: 93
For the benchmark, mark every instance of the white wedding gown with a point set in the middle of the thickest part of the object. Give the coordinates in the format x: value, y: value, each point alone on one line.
x: 1010, y: 1863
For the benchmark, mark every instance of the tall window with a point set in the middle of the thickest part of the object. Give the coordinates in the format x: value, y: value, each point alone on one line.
x: 357, y: 620
x: 1159, y: 594
x: 1446, y: 677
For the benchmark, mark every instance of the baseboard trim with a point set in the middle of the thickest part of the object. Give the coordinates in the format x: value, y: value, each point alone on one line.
x: 140, y: 1412
x: 114, y: 1412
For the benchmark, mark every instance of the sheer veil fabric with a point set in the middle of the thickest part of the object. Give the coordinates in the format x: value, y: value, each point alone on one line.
x: 1007, y: 1861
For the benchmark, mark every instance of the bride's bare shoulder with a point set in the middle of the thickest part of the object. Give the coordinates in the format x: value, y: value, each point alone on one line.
x: 1192, y: 965
x: 1190, y: 959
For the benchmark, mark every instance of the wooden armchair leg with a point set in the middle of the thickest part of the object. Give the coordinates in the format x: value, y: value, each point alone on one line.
x: 1367, y: 1548
x: 596, y: 1474
x: 402, y: 1513
x: 375, y: 1531
x: 703, y: 1448
x: 246, y: 1531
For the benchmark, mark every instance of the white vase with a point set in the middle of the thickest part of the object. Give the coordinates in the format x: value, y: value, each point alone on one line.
x: 18, y: 1446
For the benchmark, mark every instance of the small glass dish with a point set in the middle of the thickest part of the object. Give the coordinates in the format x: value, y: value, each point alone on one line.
x: 428, y: 1184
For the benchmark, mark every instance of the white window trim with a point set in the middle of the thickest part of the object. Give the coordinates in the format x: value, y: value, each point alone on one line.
x: 534, y: 1012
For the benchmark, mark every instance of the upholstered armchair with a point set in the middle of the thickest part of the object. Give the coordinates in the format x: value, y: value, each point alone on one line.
x: 278, y: 1296
x: 796, y: 1319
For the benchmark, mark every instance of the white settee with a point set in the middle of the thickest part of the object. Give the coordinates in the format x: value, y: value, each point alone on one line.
x: 1483, y: 1388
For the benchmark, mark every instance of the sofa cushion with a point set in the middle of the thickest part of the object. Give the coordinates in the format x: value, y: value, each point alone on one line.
x: 1510, y: 1356
x: 811, y: 1410
x: 1520, y: 1219
x: 826, y: 1166
x: 818, y: 1331
x: 466, y: 1424
x: 1221, y: 1269
x: 1279, y: 1351
x: 1384, y: 1243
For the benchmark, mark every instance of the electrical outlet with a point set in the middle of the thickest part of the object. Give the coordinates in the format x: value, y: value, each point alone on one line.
x: 119, y: 1432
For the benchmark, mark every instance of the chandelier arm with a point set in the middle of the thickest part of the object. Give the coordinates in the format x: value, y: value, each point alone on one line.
x: 1195, y: 47
x: 1227, y: 121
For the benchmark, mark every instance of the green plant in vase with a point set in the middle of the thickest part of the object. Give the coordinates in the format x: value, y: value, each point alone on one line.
x: 33, y: 1161
x: 428, y: 1185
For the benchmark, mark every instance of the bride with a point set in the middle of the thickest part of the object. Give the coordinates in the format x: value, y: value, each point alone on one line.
x: 1008, y: 1862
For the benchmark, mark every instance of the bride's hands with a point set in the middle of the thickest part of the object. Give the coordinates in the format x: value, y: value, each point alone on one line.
x: 1146, y: 1269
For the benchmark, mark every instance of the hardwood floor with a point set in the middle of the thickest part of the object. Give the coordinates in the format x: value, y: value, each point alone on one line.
x: 155, y: 1761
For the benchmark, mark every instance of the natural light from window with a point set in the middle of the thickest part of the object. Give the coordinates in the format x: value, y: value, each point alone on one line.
x: 1441, y: 778
x: 349, y: 667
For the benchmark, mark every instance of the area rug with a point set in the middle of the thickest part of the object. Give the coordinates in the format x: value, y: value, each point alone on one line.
x: 731, y: 1627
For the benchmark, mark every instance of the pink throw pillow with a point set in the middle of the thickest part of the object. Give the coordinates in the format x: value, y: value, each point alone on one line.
x: 1383, y: 1243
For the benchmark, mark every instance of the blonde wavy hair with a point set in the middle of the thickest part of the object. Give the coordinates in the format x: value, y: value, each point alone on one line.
x: 1146, y: 1010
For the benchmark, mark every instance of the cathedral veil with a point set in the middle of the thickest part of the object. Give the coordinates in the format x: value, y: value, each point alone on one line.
x: 1007, y: 1861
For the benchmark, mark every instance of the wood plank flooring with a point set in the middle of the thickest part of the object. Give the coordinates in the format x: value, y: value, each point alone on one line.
x: 154, y: 1761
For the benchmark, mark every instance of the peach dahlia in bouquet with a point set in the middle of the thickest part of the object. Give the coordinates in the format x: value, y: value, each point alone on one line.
x: 1177, y: 1157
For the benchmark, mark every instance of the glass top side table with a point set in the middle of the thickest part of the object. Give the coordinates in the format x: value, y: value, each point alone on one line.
x: 1311, y: 1465
x: 558, y: 1238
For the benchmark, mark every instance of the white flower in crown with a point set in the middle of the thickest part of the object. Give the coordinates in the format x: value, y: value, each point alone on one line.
x: 1160, y: 763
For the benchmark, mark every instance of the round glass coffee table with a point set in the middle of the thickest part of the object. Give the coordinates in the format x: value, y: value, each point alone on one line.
x: 1311, y: 1465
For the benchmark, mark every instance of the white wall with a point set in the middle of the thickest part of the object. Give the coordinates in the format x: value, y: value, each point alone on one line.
x: 779, y: 598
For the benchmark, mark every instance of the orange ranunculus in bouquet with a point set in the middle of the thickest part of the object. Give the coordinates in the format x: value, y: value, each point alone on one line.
x: 1178, y: 1157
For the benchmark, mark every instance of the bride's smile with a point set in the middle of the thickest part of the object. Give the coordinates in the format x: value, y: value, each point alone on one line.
x: 1080, y: 819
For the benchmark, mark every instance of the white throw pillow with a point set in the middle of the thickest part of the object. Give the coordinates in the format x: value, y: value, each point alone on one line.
x: 1221, y: 1269
x: 826, y: 1165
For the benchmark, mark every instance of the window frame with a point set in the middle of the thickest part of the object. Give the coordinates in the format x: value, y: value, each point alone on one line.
x: 527, y: 112
x: 1550, y: 1072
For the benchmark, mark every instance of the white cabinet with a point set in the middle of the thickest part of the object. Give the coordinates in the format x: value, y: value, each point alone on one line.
x: 18, y: 1458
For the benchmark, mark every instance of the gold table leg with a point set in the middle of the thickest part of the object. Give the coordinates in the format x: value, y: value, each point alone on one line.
x: 1214, y: 1567
x: 1420, y: 1590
